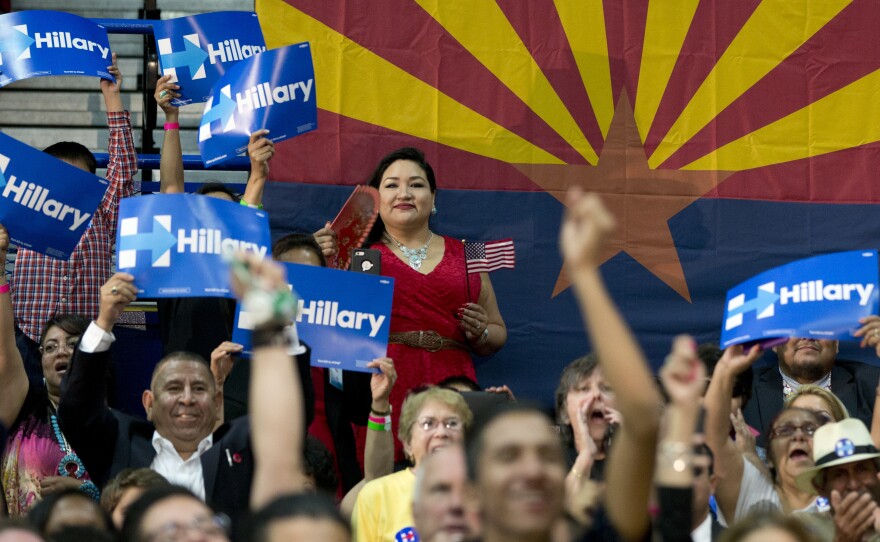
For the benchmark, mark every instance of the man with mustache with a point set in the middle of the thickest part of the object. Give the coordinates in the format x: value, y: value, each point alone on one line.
x: 810, y: 361
x: 846, y: 474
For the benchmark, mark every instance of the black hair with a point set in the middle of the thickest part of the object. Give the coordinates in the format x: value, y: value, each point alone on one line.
x: 134, y: 516
x: 293, y: 506
x: 710, y: 353
x: 459, y: 380
x: 210, y: 187
x: 71, y: 151
x: 82, y: 533
x: 702, y: 449
x: 319, y: 465
x: 179, y: 355
x: 72, y: 324
x: 406, y: 153
x: 294, y: 241
x: 474, y: 435
x: 41, y: 513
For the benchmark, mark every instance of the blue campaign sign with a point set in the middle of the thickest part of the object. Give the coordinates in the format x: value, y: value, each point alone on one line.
x: 343, y: 316
x: 37, y: 43
x: 198, y: 50
x: 174, y: 244
x: 821, y: 297
x: 273, y: 90
x: 46, y: 204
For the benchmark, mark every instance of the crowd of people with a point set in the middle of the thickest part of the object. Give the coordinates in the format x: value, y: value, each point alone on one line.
x: 274, y: 449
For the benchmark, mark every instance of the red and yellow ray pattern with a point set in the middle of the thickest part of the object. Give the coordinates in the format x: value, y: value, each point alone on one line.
x: 652, y: 103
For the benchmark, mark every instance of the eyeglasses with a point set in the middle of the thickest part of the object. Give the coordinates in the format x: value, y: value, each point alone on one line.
x: 788, y: 430
x: 210, y: 526
x: 53, y: 346
x: 430, y: 424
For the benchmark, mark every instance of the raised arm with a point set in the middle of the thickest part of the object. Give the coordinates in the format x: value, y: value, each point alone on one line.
x: 275, y: 403
x: 728, y: 458
x: 122, y: 163
x: 14, y: 383
x: 683, y: 376
x: 83, y: 415
x: 222, y: 359
x: 630, y: 469
x: 260, y: 151
x: 379, y: 448
x: 171, y: 163
x: 869, y: 332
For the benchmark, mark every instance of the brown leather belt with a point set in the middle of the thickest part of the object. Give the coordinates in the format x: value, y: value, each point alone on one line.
x: 429, y: 340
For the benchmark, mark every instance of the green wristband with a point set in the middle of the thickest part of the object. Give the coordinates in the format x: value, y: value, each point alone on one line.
x: 376, y: 426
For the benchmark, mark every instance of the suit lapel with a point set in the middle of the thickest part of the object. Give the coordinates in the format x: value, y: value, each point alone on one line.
x: 210, y: 461
x: 769, y: 397
x: 843, y: 386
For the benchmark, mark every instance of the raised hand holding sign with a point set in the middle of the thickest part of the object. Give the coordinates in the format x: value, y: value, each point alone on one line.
x: 40, y: 43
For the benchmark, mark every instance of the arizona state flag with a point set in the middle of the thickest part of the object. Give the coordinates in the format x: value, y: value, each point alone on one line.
x: 728, y: 137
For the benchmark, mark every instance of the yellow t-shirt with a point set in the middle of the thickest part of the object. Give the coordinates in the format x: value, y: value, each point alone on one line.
x: 383, y: 510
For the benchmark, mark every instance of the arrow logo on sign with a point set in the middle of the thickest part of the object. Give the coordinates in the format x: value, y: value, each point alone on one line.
x: 4, y: 162
x: 758, y: 304
x: 157, y: 242
x: 192, y: 57
x: 762, y: 304
x: 223, y: 112
x: 17, y: 42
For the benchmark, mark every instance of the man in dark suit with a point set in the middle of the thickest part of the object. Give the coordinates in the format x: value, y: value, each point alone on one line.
x: 810, y: 361
x: 183, y: 404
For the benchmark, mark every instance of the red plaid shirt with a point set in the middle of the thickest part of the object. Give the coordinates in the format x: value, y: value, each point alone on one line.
x: 43, y: 287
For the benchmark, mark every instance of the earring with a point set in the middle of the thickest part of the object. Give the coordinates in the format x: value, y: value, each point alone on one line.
x: 433, y: 210
x: 44, y: 383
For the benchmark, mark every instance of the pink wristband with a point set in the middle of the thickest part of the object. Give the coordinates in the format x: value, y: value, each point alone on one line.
x: 4, y: 288
x: 172, y: 126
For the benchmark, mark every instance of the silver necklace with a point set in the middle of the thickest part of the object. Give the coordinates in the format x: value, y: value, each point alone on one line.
x: 414, y: 256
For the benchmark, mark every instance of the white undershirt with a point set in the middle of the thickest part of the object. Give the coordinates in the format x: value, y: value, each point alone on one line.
x: 187, y: 473
x: 703, y: 533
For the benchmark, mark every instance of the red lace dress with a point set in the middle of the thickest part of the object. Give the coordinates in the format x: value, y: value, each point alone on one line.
x: 422, y: 303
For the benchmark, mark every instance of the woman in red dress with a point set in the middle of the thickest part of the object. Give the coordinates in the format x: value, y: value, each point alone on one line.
x: 440, y: 314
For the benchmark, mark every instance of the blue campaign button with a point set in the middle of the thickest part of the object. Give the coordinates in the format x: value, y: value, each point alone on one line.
x: 844, y: 448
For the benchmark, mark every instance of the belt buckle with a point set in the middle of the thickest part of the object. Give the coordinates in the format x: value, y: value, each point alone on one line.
x: 430, y: 341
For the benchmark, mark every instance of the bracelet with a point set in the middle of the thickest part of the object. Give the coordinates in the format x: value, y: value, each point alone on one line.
x: 246, y: 204
x: 4, y: 288
x: 270, y: 336
x: 172, y: 126
x: 377, y: 423
x: 678, y: 454
x: 484, y: 336
x: 381, y: 414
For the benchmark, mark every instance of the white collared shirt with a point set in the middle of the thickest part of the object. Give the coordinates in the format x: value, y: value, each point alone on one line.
x: 703, y: 533
x: 187, y: 473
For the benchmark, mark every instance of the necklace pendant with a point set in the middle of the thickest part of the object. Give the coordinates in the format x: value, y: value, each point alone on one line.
x: 71, y: 465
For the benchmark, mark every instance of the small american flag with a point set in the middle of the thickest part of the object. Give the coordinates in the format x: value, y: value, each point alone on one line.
x: 486, y: 256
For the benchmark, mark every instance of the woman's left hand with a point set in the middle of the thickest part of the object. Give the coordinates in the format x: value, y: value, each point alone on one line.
x: 54, y: 484
x: 473, y: 321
